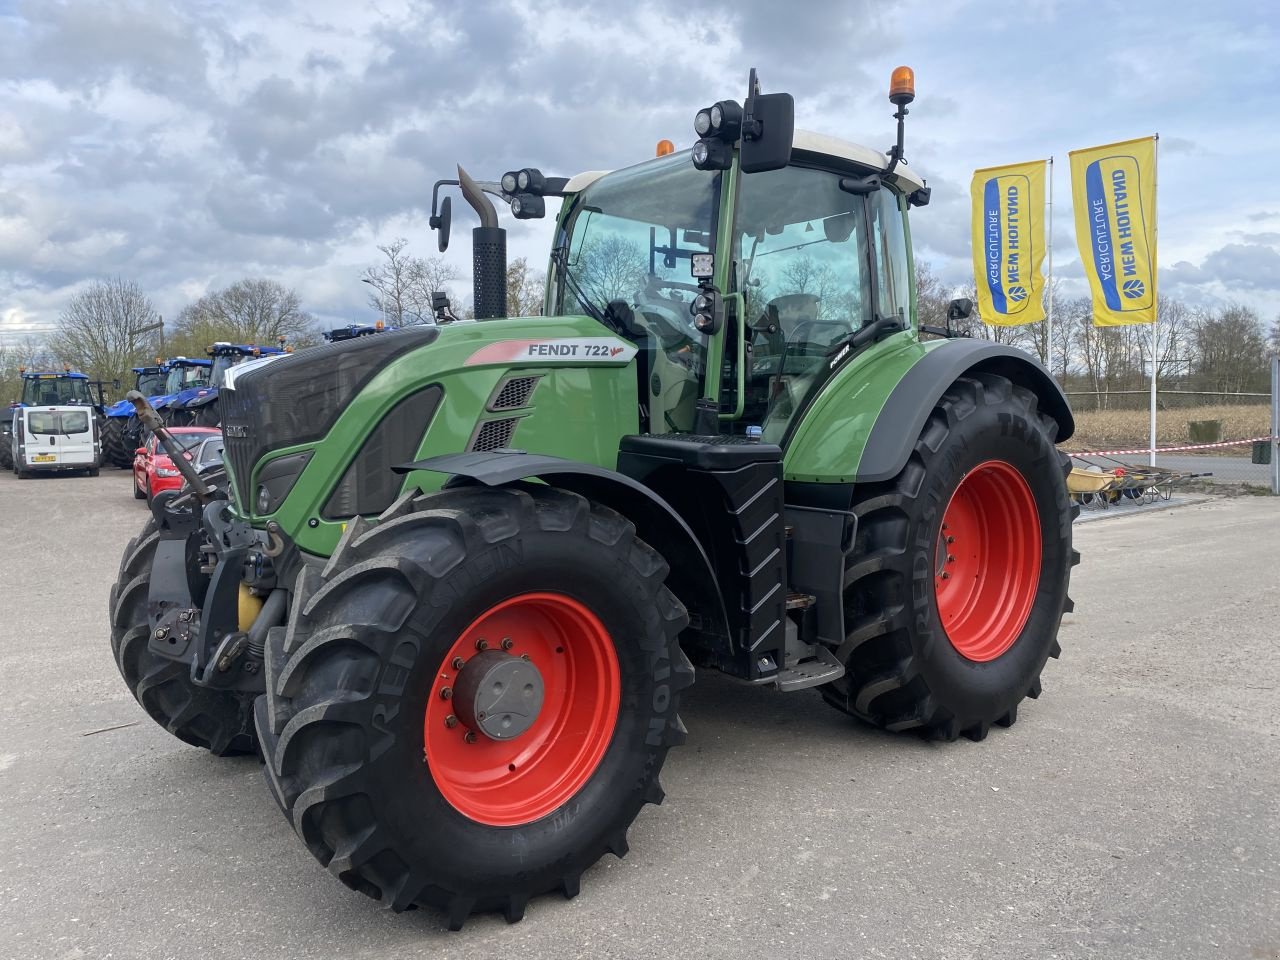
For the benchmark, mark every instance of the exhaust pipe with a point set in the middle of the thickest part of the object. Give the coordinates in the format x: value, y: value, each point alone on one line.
x: 488, y: 253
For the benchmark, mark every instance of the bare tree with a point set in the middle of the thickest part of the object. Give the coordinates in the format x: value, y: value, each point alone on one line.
x: 525, y: 289
x: 403, y: 284
x: 932, y: 296
x: 256, y: 311
x: 1230, y: 350
x: 100, y: 332
x: 610, y: 268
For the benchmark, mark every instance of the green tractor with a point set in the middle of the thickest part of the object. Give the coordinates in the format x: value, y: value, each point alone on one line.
x: 455, y: 577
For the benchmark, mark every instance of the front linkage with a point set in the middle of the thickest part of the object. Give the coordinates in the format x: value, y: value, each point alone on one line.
x: 212, y: 594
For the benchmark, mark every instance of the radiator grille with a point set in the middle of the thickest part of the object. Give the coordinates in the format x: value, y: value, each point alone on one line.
x: 493, y: 434
x: 514, y: 393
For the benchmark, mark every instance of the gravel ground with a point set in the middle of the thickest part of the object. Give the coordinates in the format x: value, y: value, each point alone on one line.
x: 1132, y: 811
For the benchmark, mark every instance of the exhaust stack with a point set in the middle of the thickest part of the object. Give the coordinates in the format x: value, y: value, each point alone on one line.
x: 488, y: 253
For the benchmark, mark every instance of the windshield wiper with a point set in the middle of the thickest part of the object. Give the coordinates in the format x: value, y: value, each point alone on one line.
x: 562, y: 258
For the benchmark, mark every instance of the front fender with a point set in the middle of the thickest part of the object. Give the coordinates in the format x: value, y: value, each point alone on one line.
x: 692, y: 578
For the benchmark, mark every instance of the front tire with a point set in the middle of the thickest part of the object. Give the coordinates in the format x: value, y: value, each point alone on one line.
x: 391, y: 780
x: 221, y: 721
x: 113, y: 443
x: 958, y: 579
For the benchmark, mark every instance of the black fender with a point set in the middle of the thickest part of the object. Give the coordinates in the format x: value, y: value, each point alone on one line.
x: 908, y: 407
x: 692, y: 578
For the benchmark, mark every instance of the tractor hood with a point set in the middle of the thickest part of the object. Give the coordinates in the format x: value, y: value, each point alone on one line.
x: 341, y: 415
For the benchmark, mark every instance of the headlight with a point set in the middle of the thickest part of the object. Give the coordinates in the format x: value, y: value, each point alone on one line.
x: 702, y: 123
x: 263, y: 503
x: 167, y: 472
x: 509, y: 182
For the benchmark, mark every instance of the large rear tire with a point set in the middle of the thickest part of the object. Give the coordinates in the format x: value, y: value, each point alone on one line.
x: 390, y: 778
x: 113, y: 443
x: 218, y: 720
x: 6, y: 452
x: 958, y: 579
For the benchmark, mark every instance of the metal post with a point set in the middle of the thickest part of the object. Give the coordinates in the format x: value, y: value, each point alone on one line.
x: 1048, y: 323
x: 1155, y: 293
x: 1155, y: 365
x: 1275, y: 424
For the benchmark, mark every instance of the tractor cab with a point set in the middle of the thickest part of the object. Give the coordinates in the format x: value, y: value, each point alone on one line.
x: 227, y: 355
x: 183, y: 373
x: 51, y: 389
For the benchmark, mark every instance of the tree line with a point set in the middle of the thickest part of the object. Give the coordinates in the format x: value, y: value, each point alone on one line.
x: 112, y: 326
x: 1213, y: 350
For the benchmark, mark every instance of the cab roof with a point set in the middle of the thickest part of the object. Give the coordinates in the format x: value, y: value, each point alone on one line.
x: 814, y: 144
x: 46, y: 374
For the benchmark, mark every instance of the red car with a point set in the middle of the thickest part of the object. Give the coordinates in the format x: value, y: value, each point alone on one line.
x: 154, y: 472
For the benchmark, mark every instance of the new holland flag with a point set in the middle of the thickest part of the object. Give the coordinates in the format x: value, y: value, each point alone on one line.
x: 1008, y: 242
x: 1113, y: 188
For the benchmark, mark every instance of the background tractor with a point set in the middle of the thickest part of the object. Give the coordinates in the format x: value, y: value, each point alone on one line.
x: 453, y: 579
x: 198, y: 405
x: 119, y: 427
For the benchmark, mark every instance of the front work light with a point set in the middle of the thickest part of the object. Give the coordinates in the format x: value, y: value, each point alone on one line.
x: 709, y: 154
x: 530, y: 180
x: 509, y: 182
x: 726, y: 120
x: 527, y: 206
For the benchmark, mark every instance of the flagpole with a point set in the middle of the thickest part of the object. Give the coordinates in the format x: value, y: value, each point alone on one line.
x: 1048, y: 346
x: 1155, y: 299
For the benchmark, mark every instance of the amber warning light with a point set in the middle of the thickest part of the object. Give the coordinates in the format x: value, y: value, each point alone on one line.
x: 665, y: 147
x: 902, y: 86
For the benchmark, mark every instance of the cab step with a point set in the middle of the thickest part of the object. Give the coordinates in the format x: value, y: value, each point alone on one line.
x: 823, y: 668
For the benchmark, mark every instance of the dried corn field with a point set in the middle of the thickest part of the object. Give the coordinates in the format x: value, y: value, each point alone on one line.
x: 1116, y: 429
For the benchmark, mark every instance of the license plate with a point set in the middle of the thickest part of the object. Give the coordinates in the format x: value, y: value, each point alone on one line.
x: 45, y: 457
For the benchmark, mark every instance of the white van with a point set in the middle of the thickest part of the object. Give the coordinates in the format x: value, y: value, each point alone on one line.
x: 55, y: 438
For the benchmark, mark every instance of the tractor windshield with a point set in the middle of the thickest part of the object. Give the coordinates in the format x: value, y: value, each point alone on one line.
x: 151, y: 384
x: 52, y: 390
x: 623, y: 257
x: 221, y: 364
x: 184, y: 377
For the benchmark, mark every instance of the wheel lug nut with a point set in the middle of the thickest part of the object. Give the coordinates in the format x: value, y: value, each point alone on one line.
x: 470, y: 736
x: 507, y: 643
x: 446, y: 693
x: 451, y: 721
x: 945, y: 575
x: 482, y: 644
x: 950, y: 559
x: 458, y: 663
x: 951, y: 539
x: 524, y: 656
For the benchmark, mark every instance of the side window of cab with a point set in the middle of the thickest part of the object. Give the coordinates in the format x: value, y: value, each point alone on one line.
x: 894, y: 288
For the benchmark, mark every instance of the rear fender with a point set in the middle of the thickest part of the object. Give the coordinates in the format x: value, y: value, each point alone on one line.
x: 906, y: 409
x: 691, y: 578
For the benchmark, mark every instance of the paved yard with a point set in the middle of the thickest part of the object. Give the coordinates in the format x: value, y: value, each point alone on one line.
x: 1132, y: 812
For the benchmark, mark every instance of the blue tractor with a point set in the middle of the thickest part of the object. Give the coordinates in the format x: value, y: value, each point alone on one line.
x: 118, y: 442
x: 198, y: 406
x: 352, y: 331
x: 122, y: 428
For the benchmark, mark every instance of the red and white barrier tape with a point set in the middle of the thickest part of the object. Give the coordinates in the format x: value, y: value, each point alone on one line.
x: 1195, y: 446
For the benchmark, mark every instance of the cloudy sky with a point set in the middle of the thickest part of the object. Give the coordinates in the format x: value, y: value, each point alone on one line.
x: 187, y: 143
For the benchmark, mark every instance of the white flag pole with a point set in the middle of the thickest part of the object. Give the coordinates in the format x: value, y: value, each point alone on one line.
x: 1048, y: 333
x: 1155, y: 299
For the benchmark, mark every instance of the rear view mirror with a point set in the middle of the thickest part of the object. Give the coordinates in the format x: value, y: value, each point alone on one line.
x: 960, y: 309
x: 442, y: 223
x: 768, y: 147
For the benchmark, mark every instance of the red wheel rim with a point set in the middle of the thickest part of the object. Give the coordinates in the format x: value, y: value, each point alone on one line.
x: 512, y: 782
x: 987, y: 565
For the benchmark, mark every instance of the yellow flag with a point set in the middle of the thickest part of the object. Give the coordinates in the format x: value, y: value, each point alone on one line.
x: 1008, y: 242
x: 1113, y: 188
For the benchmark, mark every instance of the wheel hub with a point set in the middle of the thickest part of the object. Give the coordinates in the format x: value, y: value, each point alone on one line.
x: 498, y: 695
